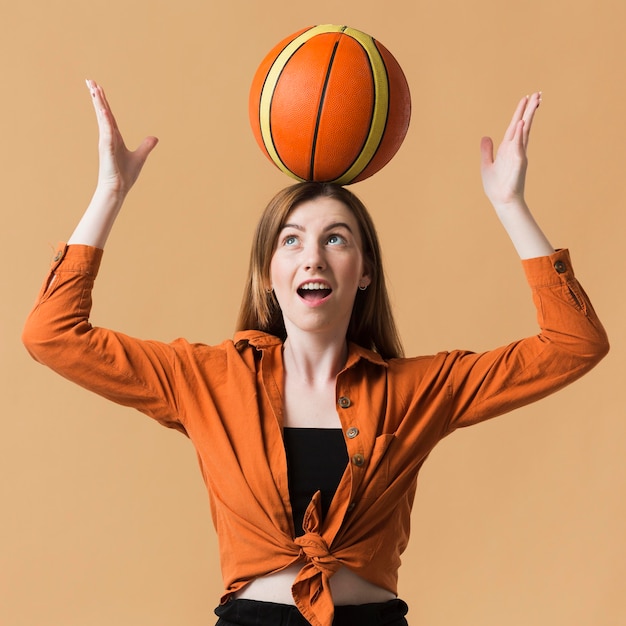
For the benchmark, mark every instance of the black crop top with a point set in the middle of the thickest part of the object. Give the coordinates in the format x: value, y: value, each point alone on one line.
x: 316, y: 461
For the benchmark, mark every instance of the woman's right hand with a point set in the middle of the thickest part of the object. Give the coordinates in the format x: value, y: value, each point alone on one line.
x: 117, y: 172
x: 119, y: 167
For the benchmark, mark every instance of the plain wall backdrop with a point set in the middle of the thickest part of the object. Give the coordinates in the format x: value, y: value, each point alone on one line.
x: 103, y: 516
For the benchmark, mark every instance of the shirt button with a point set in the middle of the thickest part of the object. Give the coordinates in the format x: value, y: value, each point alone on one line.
x: 351, y: 433
x: 57, y: 256
x: 351, y: 506
x: 358, y: 460
x: 560, y: 267
x: 344, y: 402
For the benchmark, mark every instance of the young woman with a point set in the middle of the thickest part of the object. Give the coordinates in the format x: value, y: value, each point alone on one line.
x: 310, y: 426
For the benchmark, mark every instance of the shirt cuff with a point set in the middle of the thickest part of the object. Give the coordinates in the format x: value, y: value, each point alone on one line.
x: 549, y: 270
x: 76, y: 258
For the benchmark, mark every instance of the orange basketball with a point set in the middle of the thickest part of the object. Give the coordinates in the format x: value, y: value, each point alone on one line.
x: 329, y: 104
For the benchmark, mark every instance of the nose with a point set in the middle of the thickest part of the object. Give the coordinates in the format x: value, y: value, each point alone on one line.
x: 314, y: 257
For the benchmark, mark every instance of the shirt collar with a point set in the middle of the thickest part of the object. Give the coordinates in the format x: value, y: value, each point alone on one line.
x: 264, y: 341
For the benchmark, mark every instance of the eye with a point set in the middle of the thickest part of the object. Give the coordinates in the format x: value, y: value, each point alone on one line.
x: 290, y: 240
x: 336, y: 240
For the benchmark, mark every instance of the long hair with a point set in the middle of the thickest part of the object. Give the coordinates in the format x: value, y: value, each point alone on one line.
x: 371, y: 325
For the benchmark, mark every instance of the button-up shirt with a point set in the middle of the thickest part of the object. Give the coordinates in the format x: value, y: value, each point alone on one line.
x: 228, y: 399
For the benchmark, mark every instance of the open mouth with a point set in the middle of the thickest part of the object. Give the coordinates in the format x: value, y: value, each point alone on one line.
x: 314, y: 291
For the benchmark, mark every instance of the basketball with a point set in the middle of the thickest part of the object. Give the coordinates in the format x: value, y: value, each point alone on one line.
x: 329, y: 104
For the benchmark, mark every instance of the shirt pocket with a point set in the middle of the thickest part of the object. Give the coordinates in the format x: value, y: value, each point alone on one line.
x: 377, y: 475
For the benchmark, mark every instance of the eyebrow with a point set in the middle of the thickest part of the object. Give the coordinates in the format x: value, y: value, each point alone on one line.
x: 332, y: 226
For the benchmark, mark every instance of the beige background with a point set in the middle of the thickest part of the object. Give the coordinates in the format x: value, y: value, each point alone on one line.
x: 103, y: 517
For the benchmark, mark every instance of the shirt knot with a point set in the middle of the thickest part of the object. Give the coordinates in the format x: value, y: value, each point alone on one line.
x: 316, y: 551
x: 313, y: 546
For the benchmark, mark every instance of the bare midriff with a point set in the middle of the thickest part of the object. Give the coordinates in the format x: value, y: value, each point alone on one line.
x: 347, y: 588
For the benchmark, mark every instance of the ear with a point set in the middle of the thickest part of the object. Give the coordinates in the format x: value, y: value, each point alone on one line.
x: 366, y: 279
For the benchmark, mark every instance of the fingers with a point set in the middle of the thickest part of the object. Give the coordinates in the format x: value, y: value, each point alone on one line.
x: 486, y: 151
x: 509, y: 135
x: 518, y: 130
x: 146, y: 147
x: 101, y: 104
x: 97, y: 95
x: 532, y: 104
x: 106, y: 120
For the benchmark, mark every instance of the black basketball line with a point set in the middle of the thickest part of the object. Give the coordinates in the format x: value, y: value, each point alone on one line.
x: 319, y: 110
x: 374, y: 101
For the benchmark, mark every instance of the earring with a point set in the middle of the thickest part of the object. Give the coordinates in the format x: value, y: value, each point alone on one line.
x: 362, y: 287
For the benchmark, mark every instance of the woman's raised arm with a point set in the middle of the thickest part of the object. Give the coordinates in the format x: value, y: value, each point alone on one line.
x: 117, y: 172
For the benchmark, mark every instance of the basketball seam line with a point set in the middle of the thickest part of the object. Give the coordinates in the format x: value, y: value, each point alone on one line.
x: 319, y: 109
x: 355, y: 169
x: 375, y: 97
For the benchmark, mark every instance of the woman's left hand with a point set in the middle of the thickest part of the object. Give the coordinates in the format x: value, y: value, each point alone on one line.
x: 504, y: 177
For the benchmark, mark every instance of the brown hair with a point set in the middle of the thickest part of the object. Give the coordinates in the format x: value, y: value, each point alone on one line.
x: 371, y: 326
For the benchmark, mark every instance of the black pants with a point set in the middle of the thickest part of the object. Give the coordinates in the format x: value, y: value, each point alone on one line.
x: 254, y: 613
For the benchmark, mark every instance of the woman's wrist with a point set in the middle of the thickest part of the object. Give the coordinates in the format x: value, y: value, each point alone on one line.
x: 97, y: 221
x: 525, y: 234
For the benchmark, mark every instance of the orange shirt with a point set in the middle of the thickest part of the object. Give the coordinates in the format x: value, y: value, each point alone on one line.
x: 228, y: 400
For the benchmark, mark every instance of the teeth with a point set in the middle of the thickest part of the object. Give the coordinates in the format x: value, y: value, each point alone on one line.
x: 314, y: 286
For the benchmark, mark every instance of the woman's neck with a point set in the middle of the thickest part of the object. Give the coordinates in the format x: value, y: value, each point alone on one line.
x: 313, y: 361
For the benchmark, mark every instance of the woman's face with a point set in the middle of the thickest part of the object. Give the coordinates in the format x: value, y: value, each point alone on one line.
x: 317, y: 267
